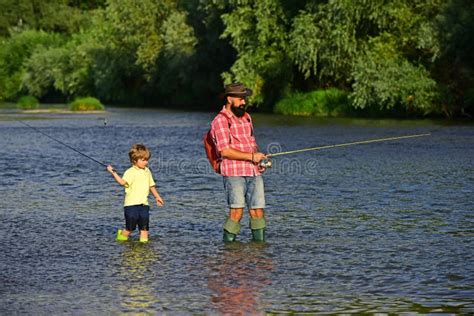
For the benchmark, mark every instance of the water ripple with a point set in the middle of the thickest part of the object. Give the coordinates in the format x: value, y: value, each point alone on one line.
x: 366, y: 229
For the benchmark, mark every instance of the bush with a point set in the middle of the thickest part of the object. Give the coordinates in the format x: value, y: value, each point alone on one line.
x: 86, y: 104
x: 27, y: 103
x: 330, y: 102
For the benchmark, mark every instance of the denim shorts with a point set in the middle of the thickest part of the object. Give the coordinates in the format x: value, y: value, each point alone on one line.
x: 242, y: 191
x: 137, y: 215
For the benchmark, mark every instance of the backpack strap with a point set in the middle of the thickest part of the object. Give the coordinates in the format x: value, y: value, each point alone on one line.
x: 228, y: 120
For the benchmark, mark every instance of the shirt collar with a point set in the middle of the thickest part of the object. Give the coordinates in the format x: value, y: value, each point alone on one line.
x: 136, y: 168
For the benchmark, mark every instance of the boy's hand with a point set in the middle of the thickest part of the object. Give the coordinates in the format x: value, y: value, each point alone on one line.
x: 110, y: 169
x: 159, y: 201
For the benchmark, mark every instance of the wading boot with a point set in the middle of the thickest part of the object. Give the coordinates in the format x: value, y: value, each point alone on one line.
x: 231, y: 229
x: 229, y: 236
x: 121, y: 237
x: 143, y: 236
x: 257, y: 225
x: 258, y: 234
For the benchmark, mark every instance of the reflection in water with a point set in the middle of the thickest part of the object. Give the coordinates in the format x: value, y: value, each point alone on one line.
x: 240, y: 274
x: 137, y: 277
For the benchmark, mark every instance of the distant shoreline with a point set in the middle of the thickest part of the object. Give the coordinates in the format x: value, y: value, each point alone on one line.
x: 43, y: 111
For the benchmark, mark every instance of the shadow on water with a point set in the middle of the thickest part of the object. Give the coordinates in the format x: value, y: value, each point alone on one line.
x: 384, y: 228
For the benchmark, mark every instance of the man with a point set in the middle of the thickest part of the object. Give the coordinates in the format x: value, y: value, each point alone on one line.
x: 232, y: 133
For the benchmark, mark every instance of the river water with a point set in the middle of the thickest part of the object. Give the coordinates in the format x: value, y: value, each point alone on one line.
x: 378, y: 228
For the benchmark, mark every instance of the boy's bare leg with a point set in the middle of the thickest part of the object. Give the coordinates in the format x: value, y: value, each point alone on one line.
x: 144, y: 235
x: 126, y: 233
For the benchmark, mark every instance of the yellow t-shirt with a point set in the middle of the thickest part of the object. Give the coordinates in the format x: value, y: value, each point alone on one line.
x: 138, y: 185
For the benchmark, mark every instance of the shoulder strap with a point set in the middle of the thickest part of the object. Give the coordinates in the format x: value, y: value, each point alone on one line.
x: 228, y: 121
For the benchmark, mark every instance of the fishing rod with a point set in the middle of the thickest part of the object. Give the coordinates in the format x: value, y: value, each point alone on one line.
x: 267, y: 163
x: 62, y: 143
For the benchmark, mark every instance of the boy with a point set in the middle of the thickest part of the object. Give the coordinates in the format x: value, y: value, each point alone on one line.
x: 138, y: 182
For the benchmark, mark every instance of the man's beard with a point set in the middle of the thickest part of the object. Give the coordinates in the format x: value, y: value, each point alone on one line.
x: 238, y: 111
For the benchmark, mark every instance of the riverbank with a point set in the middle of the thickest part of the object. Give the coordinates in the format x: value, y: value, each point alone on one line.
x: 7, y: 110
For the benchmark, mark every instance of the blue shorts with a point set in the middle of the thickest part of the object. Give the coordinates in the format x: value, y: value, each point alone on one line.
x: 137, y: 215
x: 242, y: 191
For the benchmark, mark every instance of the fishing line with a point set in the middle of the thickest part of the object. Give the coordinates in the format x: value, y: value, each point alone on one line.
x: 62, y: 143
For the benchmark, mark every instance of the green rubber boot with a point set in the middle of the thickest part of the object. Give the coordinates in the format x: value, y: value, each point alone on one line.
x: 258, y: 234
x: 121, y: 237
x: 229, y: 236
x: 257, y: 225
x: 231, y: 229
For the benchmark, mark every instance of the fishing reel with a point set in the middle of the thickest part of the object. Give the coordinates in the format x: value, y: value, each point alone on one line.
x: 265, y: 163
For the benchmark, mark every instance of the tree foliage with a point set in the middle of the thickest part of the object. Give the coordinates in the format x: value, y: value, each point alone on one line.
x: 117, y: 57
x: 384, y: 79
x: 15, y: 53
x: 397, y: 56
x: 454, y: 70
x: 50, y: 16
x: 376, y: 49
x: 257, y: 30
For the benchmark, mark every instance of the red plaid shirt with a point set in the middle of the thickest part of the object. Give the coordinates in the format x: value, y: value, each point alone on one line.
x: 238, y: 136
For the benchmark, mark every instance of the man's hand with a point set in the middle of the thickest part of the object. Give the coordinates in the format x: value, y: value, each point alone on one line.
x: 257, y: 157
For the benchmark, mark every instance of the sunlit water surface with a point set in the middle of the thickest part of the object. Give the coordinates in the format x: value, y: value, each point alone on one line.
x: 385, y: 227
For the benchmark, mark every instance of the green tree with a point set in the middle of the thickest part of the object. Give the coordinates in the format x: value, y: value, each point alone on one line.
x: 405, y: 56
x: 199, y: 79
x: 258, y: 32
x: 14, y: 54
x: 385, y: 80
x: 343, y: 43
x: 47, y: 15
x: 117, y: 58
x: 454, y: 70
x: 134, y: 36
x: 66, y: 69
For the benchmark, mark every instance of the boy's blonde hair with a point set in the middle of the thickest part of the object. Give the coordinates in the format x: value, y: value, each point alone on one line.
x: 138, y: 151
